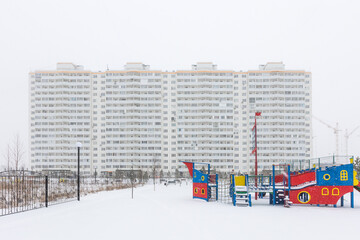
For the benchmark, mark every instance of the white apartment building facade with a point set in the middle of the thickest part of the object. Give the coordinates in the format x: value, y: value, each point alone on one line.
x: 205, y: 116
x: 284, y: 129
x: 137, y: 117
x: 60, y: 115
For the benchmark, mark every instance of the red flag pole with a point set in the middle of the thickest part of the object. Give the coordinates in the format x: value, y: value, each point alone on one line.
x: 256, y: 162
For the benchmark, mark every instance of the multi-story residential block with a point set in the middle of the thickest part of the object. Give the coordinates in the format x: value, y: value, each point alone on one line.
x: 139, y: 117
x: 284, y: 129
x: 60, y: 115
x: 133, y: 118
x: 205, y: 116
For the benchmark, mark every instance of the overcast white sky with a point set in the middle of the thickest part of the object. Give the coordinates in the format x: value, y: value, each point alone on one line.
x: 319, y: 36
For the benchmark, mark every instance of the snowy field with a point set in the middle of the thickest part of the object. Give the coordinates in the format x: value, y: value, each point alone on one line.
x: 171, y: 213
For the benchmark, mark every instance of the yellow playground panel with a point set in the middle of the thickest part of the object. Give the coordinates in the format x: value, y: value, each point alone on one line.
x: 239, y: 180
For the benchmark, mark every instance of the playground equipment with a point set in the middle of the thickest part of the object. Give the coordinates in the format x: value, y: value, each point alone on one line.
x: 323, y: 186
x: 205, y: 185
x: 315, y: 186
x: 239, y: 190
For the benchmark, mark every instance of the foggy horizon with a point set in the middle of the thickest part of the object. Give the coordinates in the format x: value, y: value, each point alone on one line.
x: 316, y: 36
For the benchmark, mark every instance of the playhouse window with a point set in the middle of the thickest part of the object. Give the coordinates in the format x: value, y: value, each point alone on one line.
x: 196, y: 190
x: 326, y: 177
x: 335, y: 191
x: 343, y: 175
x: 202, y: 191
x: 325, y: 191
x: 304, y: 197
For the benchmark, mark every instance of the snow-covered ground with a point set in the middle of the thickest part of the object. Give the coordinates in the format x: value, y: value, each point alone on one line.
x: 171, y: 213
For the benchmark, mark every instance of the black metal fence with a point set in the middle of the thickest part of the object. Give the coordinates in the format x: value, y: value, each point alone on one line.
x: 23, y: 191
x: 59, y: 190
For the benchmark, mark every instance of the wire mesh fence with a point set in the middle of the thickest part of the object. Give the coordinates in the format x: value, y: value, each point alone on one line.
x: 224, y: 191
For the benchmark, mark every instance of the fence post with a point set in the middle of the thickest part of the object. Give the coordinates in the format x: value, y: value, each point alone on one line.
x: 46, y: 190
x: 78, y: 175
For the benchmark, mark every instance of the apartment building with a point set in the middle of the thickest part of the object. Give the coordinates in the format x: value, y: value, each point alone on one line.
x: 284, y: 129
x: 60, y: 115
x: 133, y: 118
x: 138, y: 118
x: 205, y: 116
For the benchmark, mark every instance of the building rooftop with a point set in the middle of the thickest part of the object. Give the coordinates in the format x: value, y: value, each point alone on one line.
x: 68, y: 66
x: 136, y: 66
x: 270, y: 66
x: 204, y: 66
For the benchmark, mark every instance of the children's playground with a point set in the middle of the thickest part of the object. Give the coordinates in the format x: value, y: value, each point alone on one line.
x: 305, y: 183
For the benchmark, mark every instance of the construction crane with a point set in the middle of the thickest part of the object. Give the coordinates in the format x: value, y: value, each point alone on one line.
x: 336, y: 132
x: 347, y: 135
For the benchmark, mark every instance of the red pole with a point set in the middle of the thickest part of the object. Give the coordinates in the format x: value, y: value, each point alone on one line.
x: 256, y: 167
x: 256, y: 163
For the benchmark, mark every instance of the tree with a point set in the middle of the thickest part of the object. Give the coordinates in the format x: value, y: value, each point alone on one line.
x: 7, y: 156
x: 132, y: 180
x: 17, y: 152
x: 161, y: 173
x: 14, y: 154
x: 155, y: 166
x: 357, y: 166
x: 145, y: 177
x: 140, y: 176
x: 177, y: 173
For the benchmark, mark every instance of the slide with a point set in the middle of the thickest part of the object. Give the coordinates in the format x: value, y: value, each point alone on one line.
x: 357, y: 187
x: 303, y: 178
x: 305, y: 185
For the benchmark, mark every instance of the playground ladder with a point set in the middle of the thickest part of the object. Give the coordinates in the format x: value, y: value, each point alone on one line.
x: 241, y: 196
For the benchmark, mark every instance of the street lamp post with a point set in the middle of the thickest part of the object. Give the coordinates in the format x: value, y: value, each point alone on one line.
x: 132, y: 181
x: 78, y: 145
x: 154, y: 171
x: 95, y: 174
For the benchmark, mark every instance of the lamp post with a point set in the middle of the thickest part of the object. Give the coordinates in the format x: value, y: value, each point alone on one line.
x: 132, y: 180
x: 154, y: 170
x: 78, y: 145
x: 95, y: 174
